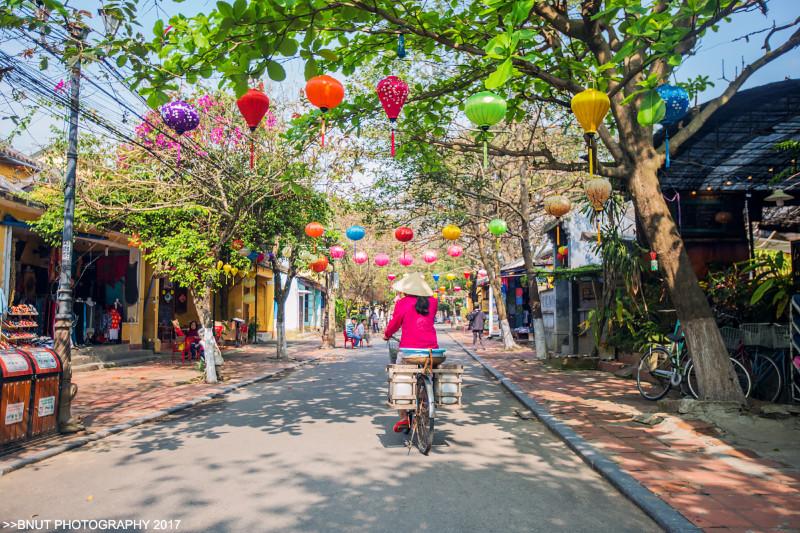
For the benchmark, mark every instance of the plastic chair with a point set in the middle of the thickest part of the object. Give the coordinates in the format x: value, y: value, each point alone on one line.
x: 351, y: 340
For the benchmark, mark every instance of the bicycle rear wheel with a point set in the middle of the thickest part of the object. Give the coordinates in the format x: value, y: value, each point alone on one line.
x: 654, y: 373
x: 766, y: 377
x: 424, y: 415
x: 741, y: 374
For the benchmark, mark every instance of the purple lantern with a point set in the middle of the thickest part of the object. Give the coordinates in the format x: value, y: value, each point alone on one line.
x: 181, y: 116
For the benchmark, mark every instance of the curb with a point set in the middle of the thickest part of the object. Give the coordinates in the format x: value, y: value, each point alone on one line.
x: 657, y: 509
x: 113, y: 430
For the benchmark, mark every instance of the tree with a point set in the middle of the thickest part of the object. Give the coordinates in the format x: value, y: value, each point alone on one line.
x: 543, y: 51
x: 282, y: 225
x: 186, y: 199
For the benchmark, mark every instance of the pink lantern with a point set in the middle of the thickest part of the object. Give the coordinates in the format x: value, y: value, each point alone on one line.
x: 456, y: 289
x: 392, y: 92
x: 337, y: 252
x: 430, y: 257
x: 454, y: 250
x: 381, y: 260
x: 406, y: 259
x: 391, y: 277
x: 482, y: 273
x: 360, y: 258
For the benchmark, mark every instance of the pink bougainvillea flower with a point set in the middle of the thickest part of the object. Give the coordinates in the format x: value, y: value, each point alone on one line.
x: 61, y: 86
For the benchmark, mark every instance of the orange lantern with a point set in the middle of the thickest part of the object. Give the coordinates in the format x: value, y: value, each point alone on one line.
x: 557, y: 206
x: 325, y: 93
x: 314, y: 230
x: 320, y: 264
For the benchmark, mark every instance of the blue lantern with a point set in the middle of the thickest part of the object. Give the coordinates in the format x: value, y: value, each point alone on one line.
x: 252, y: 256
x: 355, y: 233
x: 436, y: 278
x: 677, y: 102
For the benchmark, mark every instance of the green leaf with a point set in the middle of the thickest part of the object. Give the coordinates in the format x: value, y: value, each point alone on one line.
x: 225, y: 9
x: 276, y: 71
x: 499, y: 77
x: 239, y: 7
x: 330, y: 55
x: 762, y: 290
x: 652, y: 109
x: 520, y: 11
x: 310, y: 69
x: 287, y: 47
x: 121, y: 60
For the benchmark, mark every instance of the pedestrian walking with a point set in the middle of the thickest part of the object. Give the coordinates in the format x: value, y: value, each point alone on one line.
x: 477, y: 318
x: 374, y: 321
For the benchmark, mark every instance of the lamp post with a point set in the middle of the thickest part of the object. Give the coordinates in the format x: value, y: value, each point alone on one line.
x: 63, y: 322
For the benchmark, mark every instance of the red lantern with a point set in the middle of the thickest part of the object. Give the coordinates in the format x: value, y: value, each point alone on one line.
x: 403, y: 234
x: 237, y: 244
x: 320, y: 264
x: 325, y: 93
x: 392, y: 92
x: 314, y: 230
x: 467, y: 275
x: 253, y: 105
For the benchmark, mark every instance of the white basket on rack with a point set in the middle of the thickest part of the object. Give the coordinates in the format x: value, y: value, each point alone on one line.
x: 758, y: 334
x: 780, y: 336
x: 731, y: 336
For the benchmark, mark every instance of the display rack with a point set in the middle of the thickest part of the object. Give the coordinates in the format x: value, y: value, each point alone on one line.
x: 20, y: 324
x: 794, y: 345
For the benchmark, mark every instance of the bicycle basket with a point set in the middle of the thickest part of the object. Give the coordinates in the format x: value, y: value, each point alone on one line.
x: 757, y: 334
x: 780, y: 336
x: 731, y: 336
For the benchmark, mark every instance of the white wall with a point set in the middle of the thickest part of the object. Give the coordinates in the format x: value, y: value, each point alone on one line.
x: 581, y: 250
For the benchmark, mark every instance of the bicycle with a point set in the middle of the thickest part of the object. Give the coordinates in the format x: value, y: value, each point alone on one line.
x: 765, y: 373
x: 662, y: 368
x: 422, y: 419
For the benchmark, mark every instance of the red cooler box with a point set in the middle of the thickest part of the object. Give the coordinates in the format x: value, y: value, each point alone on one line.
x: 16, y: 378
x: 46, y: 385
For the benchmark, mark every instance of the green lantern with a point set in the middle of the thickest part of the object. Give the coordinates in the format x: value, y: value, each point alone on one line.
x: 498, y: 227
x: 485, y: 109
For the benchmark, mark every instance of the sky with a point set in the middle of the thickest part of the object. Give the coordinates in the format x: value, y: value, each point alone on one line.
x: 717, y: 49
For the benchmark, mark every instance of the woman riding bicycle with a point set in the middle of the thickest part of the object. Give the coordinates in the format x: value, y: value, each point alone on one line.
x: 413, y: 313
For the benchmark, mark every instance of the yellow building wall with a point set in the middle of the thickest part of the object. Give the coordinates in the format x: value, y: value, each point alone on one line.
x: 14, y: 172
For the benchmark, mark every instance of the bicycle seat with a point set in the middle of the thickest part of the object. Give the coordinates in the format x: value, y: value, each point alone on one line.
x: 675, y: 337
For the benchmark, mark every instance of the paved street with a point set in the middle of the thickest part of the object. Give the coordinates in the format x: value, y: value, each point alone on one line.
x: 311, y: 452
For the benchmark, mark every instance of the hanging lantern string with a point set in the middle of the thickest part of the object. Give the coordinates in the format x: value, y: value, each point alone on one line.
x: 676, y: 198
x: 252, y: 152
x: 558, y: 231
x: 322, y: 130
x: 485, y: 136
x: 666, y: 145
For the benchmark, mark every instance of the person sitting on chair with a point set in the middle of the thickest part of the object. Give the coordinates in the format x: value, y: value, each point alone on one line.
x: 413, y: 314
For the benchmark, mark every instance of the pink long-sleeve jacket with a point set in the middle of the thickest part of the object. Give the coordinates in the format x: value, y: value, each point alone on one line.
x: 418, y: 330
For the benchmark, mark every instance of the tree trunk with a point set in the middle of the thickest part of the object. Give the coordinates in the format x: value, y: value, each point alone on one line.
x: 282, y: 291
x: 534, y: 302
x: 213, y: 356
x: 492, y: 265
x: 715, y: 374
x: 329, y: 324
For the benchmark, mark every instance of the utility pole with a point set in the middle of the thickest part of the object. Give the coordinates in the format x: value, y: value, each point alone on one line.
x: 63, y: 323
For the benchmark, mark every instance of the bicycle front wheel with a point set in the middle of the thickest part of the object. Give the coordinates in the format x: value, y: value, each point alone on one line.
x: 742, y: 375
x: 654, y: 373
x: 424, y: 415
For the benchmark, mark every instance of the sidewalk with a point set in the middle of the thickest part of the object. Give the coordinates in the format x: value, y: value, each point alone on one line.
x: 714, y: 484
x: 113, y: 396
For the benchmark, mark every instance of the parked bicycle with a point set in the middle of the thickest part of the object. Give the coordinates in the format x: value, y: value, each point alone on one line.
x: 661, y: 368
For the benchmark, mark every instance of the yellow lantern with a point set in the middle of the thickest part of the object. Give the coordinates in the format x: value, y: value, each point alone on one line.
x: 590, y: 108
x: 451, y: 232
x: 598, y: 190
x: 219, y: 265
x: 249, y: 298
x: 227, y: 268
x: 249, y: 283
x: 450, y: 277
x: 557, y: 206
